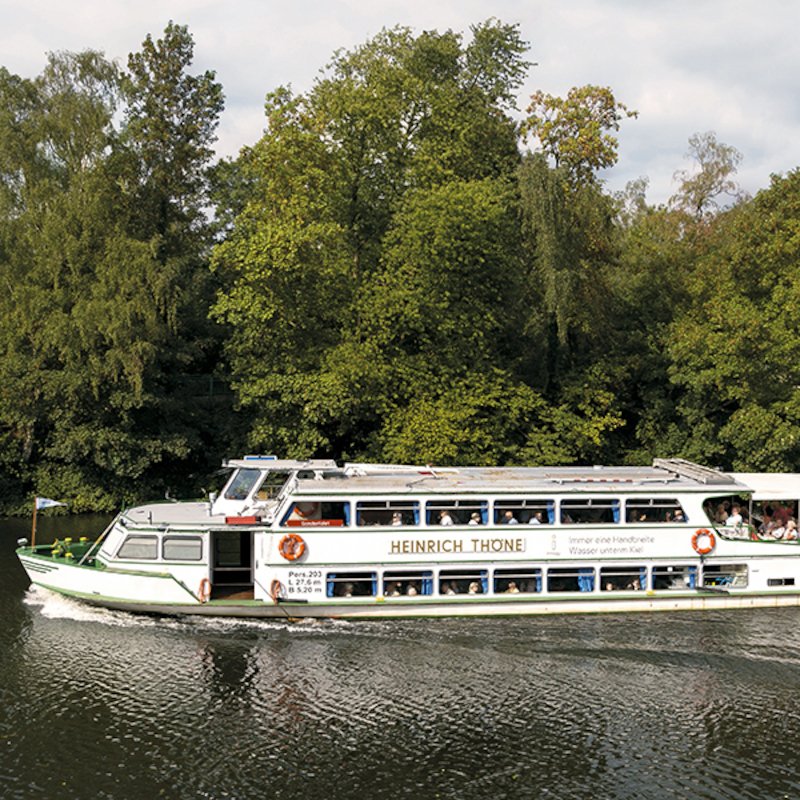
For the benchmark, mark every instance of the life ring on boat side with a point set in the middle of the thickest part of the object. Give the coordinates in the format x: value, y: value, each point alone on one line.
x: 292, y: 546
x: 711, y: 541
x: 275, y: 590
x: 204, y: 591
x: 306, y: 510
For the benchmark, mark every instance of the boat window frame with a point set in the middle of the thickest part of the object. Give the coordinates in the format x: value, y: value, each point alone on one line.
x: 524, y: 575
x: 132, y: 535
x: 585, y: 576
x: 576, y: 503
x: 423, y: 578
x: 688, y: 575
x: 334, y: 578
x: 657, y: 503
x: 407, y: 508
x: 463, y: 507
x: 547, y: 505
x: 226, y: 492
x: 630, y: 572
x: 184, y: 538
x: 464, y: 576
x: 738, y: 576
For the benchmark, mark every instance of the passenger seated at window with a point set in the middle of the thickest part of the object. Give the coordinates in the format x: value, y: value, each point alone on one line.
x: 634, y: 585
x: 474, y: 518
x: 394, y: 589
x: 347, y: 590
x: 735, y: 517
x: 679, y: 517
x: 412, y: 590
x: 474, y: 588
x: 447, y: 588
x: 509, y: 519
x: 535, y: 518
x: 397, y: 519
x: 791, y: 530
x: 512, y: 588
x: 445, y: 518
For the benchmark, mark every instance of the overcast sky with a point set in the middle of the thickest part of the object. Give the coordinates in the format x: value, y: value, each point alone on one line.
x: 687, y: 66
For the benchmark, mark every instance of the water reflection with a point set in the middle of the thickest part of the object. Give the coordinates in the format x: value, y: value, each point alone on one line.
x: 668, y: 705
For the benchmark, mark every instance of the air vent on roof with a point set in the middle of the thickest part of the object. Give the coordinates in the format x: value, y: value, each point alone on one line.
x: 688, y: 469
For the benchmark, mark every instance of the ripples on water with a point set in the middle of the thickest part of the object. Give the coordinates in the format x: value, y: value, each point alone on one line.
x: 101, y: 704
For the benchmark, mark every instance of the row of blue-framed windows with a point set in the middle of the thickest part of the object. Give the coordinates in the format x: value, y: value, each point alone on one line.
x: 406, y: 513
x: 524, y: 579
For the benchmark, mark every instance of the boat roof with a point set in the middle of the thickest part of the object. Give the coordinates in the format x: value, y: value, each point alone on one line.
x: 771, y: 485
x: 280, y: 464
x: 672, y: 475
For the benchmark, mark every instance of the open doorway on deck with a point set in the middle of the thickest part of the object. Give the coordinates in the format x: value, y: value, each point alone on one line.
x: 232, y: 565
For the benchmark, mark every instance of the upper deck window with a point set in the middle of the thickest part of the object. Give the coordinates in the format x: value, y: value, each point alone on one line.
x: 654, y: 509
x: 241, y: 484
x: 387, y: 512
x: 526, y: 512
x: 589, y: 511
x: 457, y: 512
x: 317, y: 514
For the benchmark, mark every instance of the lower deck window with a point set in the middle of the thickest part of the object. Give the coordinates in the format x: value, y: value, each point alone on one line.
x: 734, y: 575
x: 517, y: 580
x: 407, y: 583
x: 463, y: 581
x: 621, y: 579
x: 780, y: 581
x: 182, y: 548
x: 675, y: 577
x: 142, y: 548
x: 570, y: 579
x: 351, y: 584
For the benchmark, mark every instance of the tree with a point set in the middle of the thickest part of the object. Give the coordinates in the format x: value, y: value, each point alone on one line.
x: 574, y: 131
x: 104, y: 312
x: 735, y: 351
x: 715, y: 165
x: 377, y: 258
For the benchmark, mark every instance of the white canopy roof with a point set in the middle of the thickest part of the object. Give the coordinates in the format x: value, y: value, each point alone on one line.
x: 771, y: 485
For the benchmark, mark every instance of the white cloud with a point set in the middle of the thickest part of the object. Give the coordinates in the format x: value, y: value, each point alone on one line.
x: 686, y: 66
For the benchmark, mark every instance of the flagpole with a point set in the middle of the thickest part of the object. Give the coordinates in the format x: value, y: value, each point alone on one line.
x: 33, y: 526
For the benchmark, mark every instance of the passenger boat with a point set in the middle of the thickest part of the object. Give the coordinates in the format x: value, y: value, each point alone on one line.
x: 296, y: 539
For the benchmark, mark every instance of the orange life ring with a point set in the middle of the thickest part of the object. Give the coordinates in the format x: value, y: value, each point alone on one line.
x: 204, y: 591
x: 292, y: 546
x: 703, y: 549
x: 275, y: 589
x: 306, y: 510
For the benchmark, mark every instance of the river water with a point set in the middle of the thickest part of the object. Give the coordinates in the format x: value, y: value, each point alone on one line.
x: 97, y: 704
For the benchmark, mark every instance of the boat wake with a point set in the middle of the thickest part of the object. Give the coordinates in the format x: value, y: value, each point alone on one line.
x: 56, y: 606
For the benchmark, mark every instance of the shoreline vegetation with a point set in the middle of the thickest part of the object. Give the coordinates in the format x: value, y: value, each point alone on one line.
x: 398, y: 270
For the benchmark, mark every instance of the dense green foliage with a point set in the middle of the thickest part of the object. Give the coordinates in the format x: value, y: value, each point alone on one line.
x: 390, y: 273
